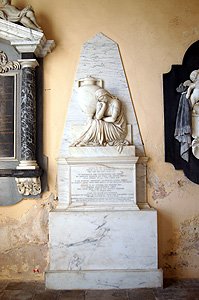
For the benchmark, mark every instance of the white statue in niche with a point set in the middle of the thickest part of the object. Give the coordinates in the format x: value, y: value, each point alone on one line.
x: 24, y: 16
x: 107, y: 125
x: 187, y: 120
x: 193, y: 88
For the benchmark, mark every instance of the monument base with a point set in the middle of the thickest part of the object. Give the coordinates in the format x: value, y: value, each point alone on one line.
x: 103, y: 250
x: 104, y: 279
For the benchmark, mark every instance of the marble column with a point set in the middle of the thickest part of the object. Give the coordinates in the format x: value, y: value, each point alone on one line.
x: 28, y: 186
x: 28, y: 115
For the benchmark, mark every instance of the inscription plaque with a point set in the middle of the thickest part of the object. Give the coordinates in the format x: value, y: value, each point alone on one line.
x: 102, y: 184
x: 7, y: 116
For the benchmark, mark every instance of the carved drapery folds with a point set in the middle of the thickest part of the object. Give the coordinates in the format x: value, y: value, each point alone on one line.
x: 187, y: 120
x: 25, y: 16
x: 106, y: 119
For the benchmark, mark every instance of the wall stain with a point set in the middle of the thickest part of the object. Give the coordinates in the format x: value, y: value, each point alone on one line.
x: 162, y: 189
x: 174, y: 21
x: 183, y: 253
x: 24, y: 251
x: 159, y: 192
x: 158, y: 188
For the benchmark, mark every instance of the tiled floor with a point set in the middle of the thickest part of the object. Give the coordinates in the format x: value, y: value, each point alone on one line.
x: 173, y: 290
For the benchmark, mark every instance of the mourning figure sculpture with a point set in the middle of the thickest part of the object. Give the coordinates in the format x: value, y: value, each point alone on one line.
x: 187, y: 120
x: 107, y: 125
x: 24, y: 16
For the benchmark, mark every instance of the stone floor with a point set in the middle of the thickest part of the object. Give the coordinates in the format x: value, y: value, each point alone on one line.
x: 173, y: 290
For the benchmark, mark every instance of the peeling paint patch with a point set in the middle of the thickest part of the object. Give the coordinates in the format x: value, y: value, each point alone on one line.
x: 25, y: 242
x: 158, y: 188
x: 183, y: 253
x: 20, y: 262
x: 161, y: 189
x: 160, y: 192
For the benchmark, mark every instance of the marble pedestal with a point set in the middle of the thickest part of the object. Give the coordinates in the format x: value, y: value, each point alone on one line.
x: 103, y: 250
x: 99, y: 237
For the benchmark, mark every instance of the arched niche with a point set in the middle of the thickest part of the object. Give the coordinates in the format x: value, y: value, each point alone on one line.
x: 171, y: 80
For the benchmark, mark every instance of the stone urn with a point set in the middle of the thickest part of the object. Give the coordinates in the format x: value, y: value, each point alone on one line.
x: 86, y: 94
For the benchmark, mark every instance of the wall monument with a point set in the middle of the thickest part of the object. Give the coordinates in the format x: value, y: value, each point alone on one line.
x: 103, y: 234
x: 23, y: 46
x: 181, y: 114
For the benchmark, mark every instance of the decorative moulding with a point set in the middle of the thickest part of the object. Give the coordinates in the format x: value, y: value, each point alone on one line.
x: 30, y: 186
x: 25, y: 40
x: 24, y: 164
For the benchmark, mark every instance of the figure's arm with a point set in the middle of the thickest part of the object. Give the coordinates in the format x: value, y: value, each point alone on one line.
x: 187, y: 83
x: 115, y: 114
x: 191, y: 87
x: 100, y: 110
x: 109, y: 119
x: 2, y: 15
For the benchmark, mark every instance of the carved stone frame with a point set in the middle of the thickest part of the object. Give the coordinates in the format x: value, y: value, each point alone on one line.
x: 29, y: 44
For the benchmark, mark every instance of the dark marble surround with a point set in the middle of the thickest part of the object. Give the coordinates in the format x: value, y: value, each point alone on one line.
x: 19, y: 95
x: 28, y: 114
x: 171, y: 80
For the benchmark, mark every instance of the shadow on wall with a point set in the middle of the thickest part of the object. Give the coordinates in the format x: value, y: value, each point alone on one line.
x: 47, y: 26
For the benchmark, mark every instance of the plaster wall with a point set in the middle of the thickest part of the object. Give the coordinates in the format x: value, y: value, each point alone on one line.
x: 152, y: 36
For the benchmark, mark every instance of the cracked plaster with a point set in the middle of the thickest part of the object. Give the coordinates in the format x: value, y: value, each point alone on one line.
x: 24, y: 250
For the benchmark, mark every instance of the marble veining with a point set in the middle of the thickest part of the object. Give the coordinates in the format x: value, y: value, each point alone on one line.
x: 101, y: 236
x: 28, y: 114
x: 100, y: 58
x: 104, y: 240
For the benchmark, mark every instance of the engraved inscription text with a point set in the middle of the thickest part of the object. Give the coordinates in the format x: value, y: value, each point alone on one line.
x: 102, y: 184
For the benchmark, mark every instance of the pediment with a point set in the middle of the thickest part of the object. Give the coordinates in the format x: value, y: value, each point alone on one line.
x: 25, y: 40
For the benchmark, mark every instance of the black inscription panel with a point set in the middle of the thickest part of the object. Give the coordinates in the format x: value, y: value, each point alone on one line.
x: 6, y: 116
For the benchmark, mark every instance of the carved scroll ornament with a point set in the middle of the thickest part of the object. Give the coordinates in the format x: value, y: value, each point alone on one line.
x: 6, y: 65
x: 29, y: 186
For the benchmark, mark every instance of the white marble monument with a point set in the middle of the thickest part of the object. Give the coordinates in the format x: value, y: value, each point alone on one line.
x: 187, y: 119
x: 103, y: 234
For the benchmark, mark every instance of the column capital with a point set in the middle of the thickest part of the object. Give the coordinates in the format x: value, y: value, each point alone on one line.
x: 28, y: 63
